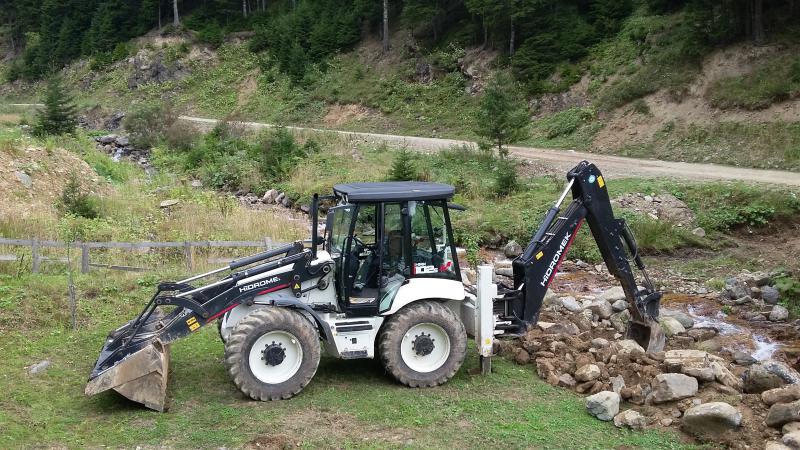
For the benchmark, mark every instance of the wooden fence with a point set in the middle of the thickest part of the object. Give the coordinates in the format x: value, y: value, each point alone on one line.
x: 85, y: 247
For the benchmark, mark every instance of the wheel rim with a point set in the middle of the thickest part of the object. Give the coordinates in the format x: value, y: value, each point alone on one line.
x: 425, y: 347
x: 275, y: 357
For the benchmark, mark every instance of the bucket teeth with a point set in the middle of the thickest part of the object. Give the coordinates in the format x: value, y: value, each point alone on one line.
x: 141, y: 376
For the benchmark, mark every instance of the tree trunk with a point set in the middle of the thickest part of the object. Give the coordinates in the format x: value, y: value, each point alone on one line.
x: 758, y: 22
x: 511, y: 40
x: 244, y: 8
x: 385, y: 26
x: 159, y: 15
x: 176, y: 20
x: 485, y: 34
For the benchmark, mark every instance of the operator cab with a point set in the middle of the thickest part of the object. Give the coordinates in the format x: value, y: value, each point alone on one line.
x: 382, y: 234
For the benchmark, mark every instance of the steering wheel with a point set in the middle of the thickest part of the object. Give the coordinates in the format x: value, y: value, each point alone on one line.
x: 361, y: 246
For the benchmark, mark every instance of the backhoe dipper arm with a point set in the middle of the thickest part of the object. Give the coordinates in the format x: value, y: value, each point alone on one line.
x: 536, y: 268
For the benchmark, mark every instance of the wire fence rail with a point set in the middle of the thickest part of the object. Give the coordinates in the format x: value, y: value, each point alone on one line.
x: 86, y: 264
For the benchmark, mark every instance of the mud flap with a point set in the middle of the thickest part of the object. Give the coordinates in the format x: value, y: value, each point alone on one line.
x: 649, y: 335
x: 141, y: 377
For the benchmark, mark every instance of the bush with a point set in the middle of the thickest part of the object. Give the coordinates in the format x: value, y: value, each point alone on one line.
x: 147, y: 123
x: 404, y: 167
x: 279, y: 154
x: 211, y: 34
x: 58, y: 115
x: 74, y: 200
x: 505, y: 177
x: 565, y: 122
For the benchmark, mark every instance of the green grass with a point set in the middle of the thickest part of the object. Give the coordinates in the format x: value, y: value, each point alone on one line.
x: 573, y: 128
x: 350, y: 404
x: 773, y: 81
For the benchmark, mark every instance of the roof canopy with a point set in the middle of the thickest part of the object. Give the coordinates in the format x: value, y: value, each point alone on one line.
x: 394, y: 191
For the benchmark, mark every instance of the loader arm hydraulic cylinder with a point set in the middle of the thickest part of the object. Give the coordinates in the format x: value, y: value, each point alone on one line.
x: 536, y: 268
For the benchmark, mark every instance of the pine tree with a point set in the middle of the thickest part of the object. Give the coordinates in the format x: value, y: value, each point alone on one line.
x: 59, y: 113
x: 503, y: 115
x: 403, y: 167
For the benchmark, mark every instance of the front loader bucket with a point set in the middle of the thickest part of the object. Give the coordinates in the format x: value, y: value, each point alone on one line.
x: 649, y: 335
x: 135, y: 365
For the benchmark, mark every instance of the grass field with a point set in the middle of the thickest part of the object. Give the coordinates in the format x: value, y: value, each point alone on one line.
x: 349, y: 404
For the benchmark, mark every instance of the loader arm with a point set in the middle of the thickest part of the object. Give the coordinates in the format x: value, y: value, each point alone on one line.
x: 536, y: 268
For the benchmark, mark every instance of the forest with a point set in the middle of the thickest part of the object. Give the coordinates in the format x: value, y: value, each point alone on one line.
x: 533, y: 36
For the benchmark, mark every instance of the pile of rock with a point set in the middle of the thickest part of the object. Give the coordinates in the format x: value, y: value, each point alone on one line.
x: 754, y: 291
x: 659, y: 207
x: 119, y: 146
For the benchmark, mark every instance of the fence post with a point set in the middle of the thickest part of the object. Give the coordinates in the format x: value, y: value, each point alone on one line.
x: 35, y: 256
x: 84, y: 258
x: 187, y: 254
x: 268, y: 243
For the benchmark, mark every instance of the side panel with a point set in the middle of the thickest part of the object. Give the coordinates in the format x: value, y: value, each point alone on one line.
x: 422, y: 288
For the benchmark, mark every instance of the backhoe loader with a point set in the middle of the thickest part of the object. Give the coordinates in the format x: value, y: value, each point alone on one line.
x: 385, y: 283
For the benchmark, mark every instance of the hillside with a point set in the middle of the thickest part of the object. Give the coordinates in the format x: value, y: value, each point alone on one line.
x: 651, y: 85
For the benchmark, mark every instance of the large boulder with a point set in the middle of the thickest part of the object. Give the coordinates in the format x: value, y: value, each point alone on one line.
x: 778, y: 313
x: 668, y: 387
x: 620, y: 320
x: 685, y: 320
x: 781, y: 395
x: 603, y: 405
x: 627, y: 347
x: 671, y: 326
x: 770, y: 295
x: 570, y: 304
x: 613, y: 294
x: 619, y: 305
x: 512, y: 249
x: 588, y: 372
x: 630, y: 419
x: 768, y: 375
x: 781, y: 413
x: 602, y: 308
x: 735, y: 289
x: 711, y: 419
x: 725, y: 376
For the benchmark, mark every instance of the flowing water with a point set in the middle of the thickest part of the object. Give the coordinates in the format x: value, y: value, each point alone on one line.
x: 758, y: 346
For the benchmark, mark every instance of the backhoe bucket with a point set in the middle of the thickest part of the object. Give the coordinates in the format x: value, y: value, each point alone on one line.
x: 649, y: 335
x: 135, y: 366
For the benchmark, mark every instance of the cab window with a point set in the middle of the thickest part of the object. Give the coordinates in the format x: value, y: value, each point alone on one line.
x: 431, y: 249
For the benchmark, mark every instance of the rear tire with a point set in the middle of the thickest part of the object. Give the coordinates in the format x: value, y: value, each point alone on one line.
x: 272, y: 353
x: 423, y: 344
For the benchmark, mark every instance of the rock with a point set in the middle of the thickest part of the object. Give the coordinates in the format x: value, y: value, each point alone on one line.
x: 781, y: 395
x: 24, y: 178
x: 504, y: 271
x: 702, y: 334
x: 792, y: 440
x: 778, y: 313
x: 571, y: 304
x: 699, y: 232
x: 588, y: 372
x: 619, y: 305
x: 39, y: 367
x: 287, y: 202
x: 685, y: 320
x: 671, y: 326
x: 563, y: 328
x: 122, y: 141
x: 743, y: 359
x: 603, y: 405
x: 782, y: 413
x: 790, y: 427
x: 521, y: 356
x: 666, y: 422
x: 305, y: 209
x: 630, y: 419
x: 512, y: 249
x: 197, y: 184
x: 669, y: 387
x: 780, y: 369
x: 168, y: 203
x: 617, y: 383
x: 620, y: 320
x: 774, y: 445
x: 758, y: 379
x: 628, y: 347
x: 270, y: 196
x: 696, y: 358
x: 735, y: 289
x: 701, y: 373
x: 612, y: 295
x: 770, y: 295
x: 566, y: 380
x: 279, y: 198
x: 711, y: 419
x: 107, y: 139
x: 600, y: 343
x: 725, y: 376
x: 602, y: 308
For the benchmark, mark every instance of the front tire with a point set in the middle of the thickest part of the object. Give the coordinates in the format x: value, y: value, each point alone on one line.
x: 272, y: 353
x: 423, y: 344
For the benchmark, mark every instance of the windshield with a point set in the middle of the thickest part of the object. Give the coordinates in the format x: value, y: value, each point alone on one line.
x: 341, y: 227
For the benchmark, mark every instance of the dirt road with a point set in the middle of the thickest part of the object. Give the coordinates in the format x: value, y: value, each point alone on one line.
x: 566, y: 159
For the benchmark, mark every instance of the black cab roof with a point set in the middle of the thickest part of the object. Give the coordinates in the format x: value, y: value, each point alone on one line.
x: 393, y: 191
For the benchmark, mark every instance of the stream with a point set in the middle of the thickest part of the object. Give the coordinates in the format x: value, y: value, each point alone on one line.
x: 758, y: 346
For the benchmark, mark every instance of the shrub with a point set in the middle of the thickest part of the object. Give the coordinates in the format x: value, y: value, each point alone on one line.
x: 279, y: 154
x: 147, y: 123
x: 503, y: 115
x: 565, y: 122
x: 74, y: 200
x: 180, y: 136
x: 505, y: 177
x: 58, y: 115
x: 211, y: 34
x: 404, y: 167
